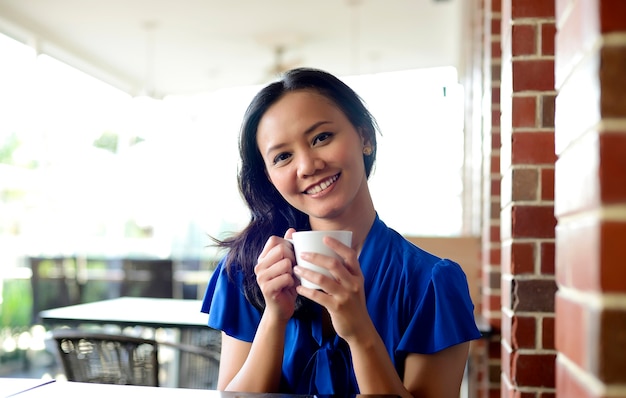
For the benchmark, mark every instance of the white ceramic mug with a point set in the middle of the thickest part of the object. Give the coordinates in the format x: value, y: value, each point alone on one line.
x: 311, y: 241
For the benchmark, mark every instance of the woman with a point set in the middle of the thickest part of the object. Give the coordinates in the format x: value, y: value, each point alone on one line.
x: 393, y: 319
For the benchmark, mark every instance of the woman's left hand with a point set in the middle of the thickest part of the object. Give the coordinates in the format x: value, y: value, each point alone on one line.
x: 343, y: 295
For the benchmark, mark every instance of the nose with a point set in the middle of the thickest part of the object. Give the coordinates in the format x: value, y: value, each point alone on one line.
x: 308, y: 164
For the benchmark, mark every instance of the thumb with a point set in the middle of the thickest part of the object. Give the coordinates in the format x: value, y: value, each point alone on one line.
x: 289, y: 232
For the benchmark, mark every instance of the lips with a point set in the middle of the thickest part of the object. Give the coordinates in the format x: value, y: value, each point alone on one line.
x: 317, y: 188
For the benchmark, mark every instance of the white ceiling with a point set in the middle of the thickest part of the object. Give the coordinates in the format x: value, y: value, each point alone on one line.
x: 196, y: 46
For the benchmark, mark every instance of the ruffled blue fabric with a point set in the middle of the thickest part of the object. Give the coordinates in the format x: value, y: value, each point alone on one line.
x: 418, y: 302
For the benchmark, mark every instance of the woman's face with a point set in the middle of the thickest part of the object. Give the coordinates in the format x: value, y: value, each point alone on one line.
x: 313, y: 155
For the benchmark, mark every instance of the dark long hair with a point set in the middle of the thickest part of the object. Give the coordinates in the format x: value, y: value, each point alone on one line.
x: 270, y: 214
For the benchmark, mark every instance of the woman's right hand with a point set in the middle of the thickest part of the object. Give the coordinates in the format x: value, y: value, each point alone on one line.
x: 274, y: 274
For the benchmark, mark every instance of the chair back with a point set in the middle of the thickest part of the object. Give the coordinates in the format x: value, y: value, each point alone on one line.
x: 107, y: 358
x: 197, y: 366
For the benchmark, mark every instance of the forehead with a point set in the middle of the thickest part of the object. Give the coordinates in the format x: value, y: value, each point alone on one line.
x: 300, y: 107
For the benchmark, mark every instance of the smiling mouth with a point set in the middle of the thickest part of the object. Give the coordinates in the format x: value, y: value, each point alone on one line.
x: 322, y: 185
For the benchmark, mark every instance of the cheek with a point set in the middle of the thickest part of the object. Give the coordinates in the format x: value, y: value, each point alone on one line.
x: 279, y: 179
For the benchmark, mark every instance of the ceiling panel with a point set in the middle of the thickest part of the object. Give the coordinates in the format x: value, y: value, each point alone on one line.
x: 191, y: 46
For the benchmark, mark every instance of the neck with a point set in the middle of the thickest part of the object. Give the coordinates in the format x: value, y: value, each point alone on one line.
x: 359, y: 219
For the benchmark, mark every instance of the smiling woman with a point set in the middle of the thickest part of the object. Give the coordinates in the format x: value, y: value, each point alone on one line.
x: 385, y: 316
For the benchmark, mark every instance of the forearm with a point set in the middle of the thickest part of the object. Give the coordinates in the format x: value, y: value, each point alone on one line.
x: 375, y: 373
x: 262, y: 369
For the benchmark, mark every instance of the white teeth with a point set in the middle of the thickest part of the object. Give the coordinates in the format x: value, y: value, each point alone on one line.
x: 322, y: 186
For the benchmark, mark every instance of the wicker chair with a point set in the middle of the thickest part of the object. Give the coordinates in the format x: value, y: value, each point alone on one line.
x: 95, y: 357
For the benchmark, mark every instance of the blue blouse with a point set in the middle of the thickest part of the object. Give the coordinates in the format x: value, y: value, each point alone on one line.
x: 418, y: 302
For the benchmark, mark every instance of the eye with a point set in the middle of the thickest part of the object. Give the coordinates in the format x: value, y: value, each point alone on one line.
x: 281, y: 157
x: 320, y: 138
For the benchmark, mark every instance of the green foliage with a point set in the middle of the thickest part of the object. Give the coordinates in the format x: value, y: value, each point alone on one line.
x: 107, y: 141
x: 17, y: 303
x: 8, y: 147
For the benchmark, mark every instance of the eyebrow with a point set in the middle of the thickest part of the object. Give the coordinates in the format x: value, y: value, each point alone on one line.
x: 306, y: 132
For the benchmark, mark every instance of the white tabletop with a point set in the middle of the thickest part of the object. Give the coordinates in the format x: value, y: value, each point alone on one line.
x: 12, y: 386
x: 131, y: 311
x: 67, y: 389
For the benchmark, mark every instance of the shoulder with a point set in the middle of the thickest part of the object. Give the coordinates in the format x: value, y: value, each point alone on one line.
x: 386, y: 245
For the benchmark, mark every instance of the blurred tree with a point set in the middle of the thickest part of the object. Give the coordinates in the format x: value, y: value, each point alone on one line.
x: 8, y: 147
x: 107, y: 141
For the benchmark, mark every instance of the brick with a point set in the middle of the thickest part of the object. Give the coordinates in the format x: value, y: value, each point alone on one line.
x: 496, y: 50
x: 496, y: 72
x: 494, y: 279
x: 532, y: 9
x: 611, y: 362
x: 577, y: 255
x: 525, y: 184
x: 491, y: 302
x: 495, y: 95
x: 534, y: 295
x: 613, y: 81
x: 612, y: 14
x: 495, y: 117
x: 548, y: 38
x: 495, y: 187
x: 612, y: 254
x: 534, y: 370
x: 496, y: 26
x: 494, y: 256
x: 522, y: 258
x: 533, y: 75
x: 494, y: 347
x: 524, y: 40
x: 547, y: 110
x: 495, y: 164
x: 495, y: 210
x: 532, y: 148
x: 612, y: 168
x: 547, y: 256
x: 569, y: 385
x: 523, y: 332
x: 495, y: 141
x: 547, y: 183
x: 494, y: 232
x: 529, y: 221
x: 547, y: 335
x: 524, y: 111
x: 590, y: 255
x: 496, y: 7
x: 570, y: 331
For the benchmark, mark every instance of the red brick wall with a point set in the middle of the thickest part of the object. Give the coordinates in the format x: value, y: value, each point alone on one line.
x: 492, y: 177
x: 482, y: 82
x: 527, y: 198
x: 590, y: 198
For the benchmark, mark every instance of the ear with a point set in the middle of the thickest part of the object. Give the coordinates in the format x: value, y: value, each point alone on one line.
x: 365, y: 140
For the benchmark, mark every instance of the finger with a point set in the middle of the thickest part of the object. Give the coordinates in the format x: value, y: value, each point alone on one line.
x: 347, y: 254
x: 269, y: 245
x: 289, y: 232
x: 267, y: 270
x: 276, y: 249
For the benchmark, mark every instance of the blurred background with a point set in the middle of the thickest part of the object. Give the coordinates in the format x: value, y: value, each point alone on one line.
x: 119, y: 126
